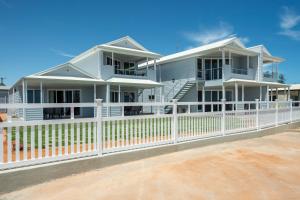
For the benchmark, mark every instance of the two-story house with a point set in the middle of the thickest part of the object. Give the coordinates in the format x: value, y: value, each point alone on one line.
x: 108, y: 71
x: 224, y: 69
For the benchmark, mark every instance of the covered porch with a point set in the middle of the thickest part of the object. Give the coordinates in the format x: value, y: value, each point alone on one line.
x: 237, y: 91
x: 55, y: 90
x: 125, y: 90
x: 60, y: 90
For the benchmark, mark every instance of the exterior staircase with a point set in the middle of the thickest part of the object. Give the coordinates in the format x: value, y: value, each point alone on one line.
x: 178, y: 91
x: 186, y: 87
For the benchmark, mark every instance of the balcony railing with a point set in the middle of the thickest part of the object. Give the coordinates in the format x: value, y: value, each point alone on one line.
x: 270, y: 74
x: 239, y: 71
x: 131, y: 72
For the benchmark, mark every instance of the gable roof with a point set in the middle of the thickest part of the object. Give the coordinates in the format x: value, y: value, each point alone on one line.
x: 70, y: 65
x: 201, y: 49
x: 268, y: 57
x: 258, y: 47
x: 110, y: 46
x: 129, y: 40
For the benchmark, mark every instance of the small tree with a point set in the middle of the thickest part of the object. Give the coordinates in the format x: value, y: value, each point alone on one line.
x: 281, y: 78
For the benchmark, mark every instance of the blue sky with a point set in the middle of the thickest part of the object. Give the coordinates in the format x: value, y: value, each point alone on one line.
x: 36, y: 35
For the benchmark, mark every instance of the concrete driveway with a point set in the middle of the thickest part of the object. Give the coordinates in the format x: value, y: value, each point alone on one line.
x: 261, y: 168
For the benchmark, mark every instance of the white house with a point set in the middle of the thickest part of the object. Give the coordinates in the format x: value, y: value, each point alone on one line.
x: 224, y: 69
x: 108, y: 71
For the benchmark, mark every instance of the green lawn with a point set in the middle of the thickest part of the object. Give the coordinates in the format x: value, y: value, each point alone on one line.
x: 207, y: 124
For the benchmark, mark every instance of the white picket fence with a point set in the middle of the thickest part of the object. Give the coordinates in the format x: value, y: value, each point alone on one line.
x: 24, y: 143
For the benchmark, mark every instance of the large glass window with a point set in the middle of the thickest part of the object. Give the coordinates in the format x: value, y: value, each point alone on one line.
x: 64, y: 96
x: 33, y: 96
x: 199, y: 68
x: 207, y: 65
x: 114, y: 97
x: 128, y: 68
x: 52, y: 96
x: 29, y: 96
x: 213, y: 68
x: 213, y: 96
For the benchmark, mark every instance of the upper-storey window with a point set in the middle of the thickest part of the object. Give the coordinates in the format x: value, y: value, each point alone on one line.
x: 129, y: 68
x: 200, y: 69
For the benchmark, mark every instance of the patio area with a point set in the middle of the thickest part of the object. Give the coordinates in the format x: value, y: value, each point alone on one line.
x: 261, y: 168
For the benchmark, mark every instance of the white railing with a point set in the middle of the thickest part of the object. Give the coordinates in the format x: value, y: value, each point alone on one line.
x: 24, y: 143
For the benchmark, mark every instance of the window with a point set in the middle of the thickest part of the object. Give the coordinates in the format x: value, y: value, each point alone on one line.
x: 227, y: 61
x: 64, y: 96
x: 128, y: 68
x: 199, y: 67
x: 151, y: 97
x: 117, y: 67
x: 33, y: 96
x: 114, y: 97
x: 108, y: 60
x: 129, y: 97
x: 117, y: 64
x: 52, y: 96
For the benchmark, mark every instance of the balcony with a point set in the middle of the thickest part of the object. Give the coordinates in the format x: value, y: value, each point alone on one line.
x: 108, y: 72
x: 270, y: 76
x: 130, y: 72
x: 239, y: 73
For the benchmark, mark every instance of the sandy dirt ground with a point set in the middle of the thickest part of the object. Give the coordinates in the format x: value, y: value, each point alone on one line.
x: 261, y: 168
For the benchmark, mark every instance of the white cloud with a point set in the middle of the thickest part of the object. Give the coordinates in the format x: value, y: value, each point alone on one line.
x: 294, y: 34
x: 289, y: 19
x: 244, y: 39
x: 62, y: 53
x: 210, y: 34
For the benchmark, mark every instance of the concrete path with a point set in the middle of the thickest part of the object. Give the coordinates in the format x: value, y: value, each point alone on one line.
x: 261, y: 168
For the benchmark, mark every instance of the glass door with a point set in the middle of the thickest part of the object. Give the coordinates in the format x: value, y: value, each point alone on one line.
x: 214, y: 64
x: 68, y: 95
x: 207, y: 65
x: 76, y: 99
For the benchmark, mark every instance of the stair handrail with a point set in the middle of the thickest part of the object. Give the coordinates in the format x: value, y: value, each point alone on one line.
x: 173, y: 88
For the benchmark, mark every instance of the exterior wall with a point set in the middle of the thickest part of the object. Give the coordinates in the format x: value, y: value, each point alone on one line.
x: 66, y: 71
x: 90, y: 64
x: 252, y: 93
x: 181, y: 69
x: 125, y: 44
x: 4, y: 96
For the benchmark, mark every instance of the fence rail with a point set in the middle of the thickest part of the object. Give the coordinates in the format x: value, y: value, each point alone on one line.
x: 24, y: 143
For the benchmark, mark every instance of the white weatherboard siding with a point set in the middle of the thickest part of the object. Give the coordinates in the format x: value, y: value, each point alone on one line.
x: 181, y: 69
x: 66, y: 72
x: 89, y: 64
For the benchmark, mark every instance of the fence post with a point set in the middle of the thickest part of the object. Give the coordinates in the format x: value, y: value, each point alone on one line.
x: 276, y: 114
x: 158, y: 110
x: 257, y: 113
x: 175, y: 121
x: 72, y: 112
x: 223, y: 117
x: 1, y: 144
x: 291, y: 110
x: 99, y: 126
